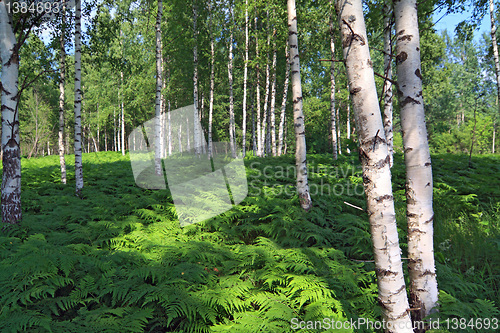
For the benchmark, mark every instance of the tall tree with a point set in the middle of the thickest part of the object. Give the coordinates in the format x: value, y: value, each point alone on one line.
x: 283, y: 103
x: 375, y: 162
x: 62, y: 78
x: 245, y: 78
x: 272, y: 116
x: 257, y: 92
x: 78, y: 98
x: 387, y: 90
x: 232, y: 138
x: 159, y: 84
x: 298, y: 114
x: 212, y: 78
x: 333, y: 123
x: 420, y: 214
x: 495, y: 48
x: 197, y: 129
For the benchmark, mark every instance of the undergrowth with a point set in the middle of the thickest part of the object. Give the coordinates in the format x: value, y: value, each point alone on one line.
x: 118, y: 261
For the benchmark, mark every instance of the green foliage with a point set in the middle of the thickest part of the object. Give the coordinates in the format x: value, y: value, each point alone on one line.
x: 117, y: 261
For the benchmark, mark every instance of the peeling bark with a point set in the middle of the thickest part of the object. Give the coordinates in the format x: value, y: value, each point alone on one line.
x: 387, y: 90
x: 245, y: 78
x: 62, y: 79
x: 283, y: 103
x: 333, y: 116
x: 158, y: 98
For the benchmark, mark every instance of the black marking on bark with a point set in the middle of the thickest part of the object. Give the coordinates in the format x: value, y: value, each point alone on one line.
x: 385, y: 272
x: 407, y: 150
x: 411, y: 215
x: 355, y: 90
x: 429, y: 220
x: 418, y: 74
x: 428, y: 184
x: 382, y: 163
x: 370, y: 63
x: 400, y: 58
x: 408, y: 100
x: 427, y: 164
x: 405, y: 37
x: 384, y: 197
x: 347, y: 42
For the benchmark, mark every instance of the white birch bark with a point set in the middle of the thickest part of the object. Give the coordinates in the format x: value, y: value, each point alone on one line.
x: 348, y: 123
x: 62, y: 79
x: 272, y: 118
x: 333, y: 117
x: 122, y: 121
x: 375, y: 163
x: 212, y: 81
x: 495, y: 49
x: 420, y: 215
x: 78, y: 98
x: 159, y: 84
x: 197, y: 129
x: 257, y: 87
x: 283, y: 102
x: 298, y: 114
x: 265, y: 115
x: 387, y: 90
x: 245, y: 78
x: 232, y: 138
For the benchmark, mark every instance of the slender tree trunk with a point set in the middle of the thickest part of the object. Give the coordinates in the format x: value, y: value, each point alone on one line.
x: 333, y: 121
x: 298, y: 114
x: 78, y: 98
x: 375, y: 162
x: 387, y: 90
x: 197, y: 129
x: 232, y: 138
x: 420, y: 215
x: 495, y: 48
x: 494, y: 132
x: 245, y: 78
x: 257, y: 87
x: 62, y: 78
x: 122, y: 121
x: 283, y: 102
x: 265, y: 116
x: 115, y: 143
x: 339, y: 141
x: 212, y: 81
x: 105, y: 138
x: 272, y: 120
x: 98, y: 127
x: 348, y: 123
x: 159, y: 84
x: 254, y: 142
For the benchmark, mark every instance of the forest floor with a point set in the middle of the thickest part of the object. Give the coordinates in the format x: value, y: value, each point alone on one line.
x: 118, y: 261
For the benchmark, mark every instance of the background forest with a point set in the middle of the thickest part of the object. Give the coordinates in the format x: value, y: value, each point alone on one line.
x: 114, y: 258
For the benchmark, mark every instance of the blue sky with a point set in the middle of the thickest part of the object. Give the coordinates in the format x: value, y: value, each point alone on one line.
x: 450, y: 22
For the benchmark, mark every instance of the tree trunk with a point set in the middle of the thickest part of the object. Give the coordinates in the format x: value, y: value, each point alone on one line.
x: 272, y: 120
x: 283, y: 102
x: 495, y: 48
x: 257, y: 87
x: 122, y: 121
x: 387, y: 90
x: 159, y: 84
x: 212, y: 81
x: 333, y: 117
x: 339, y: 141
x: 298, y: 114
x: 78, y: 98
x: 245, y: 78
x: 375, y: 162
x: 62, y: 78
x: 232, y: 138
x: 115, y: 143
x: 420, y: 215
x: 265, y: 116
x: 197, y: 129
x: 348, y: 123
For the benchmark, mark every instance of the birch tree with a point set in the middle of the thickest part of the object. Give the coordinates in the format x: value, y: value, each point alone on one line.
x: 375, y: 162
x: 159, y: 84
x: 62, y: 79
x: 420, y: 214
x: 495, y: 49
x: 257, y: 92
x: 197, y: 129
x: 283, y: 103
x: 333, y: 123
x: 298, y: 114
x: 245, y: 78
x: 212, y: 79
x: 232, y: 142
x: 272, y: 117
x: 78, y: 98
x: 387, y: 89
